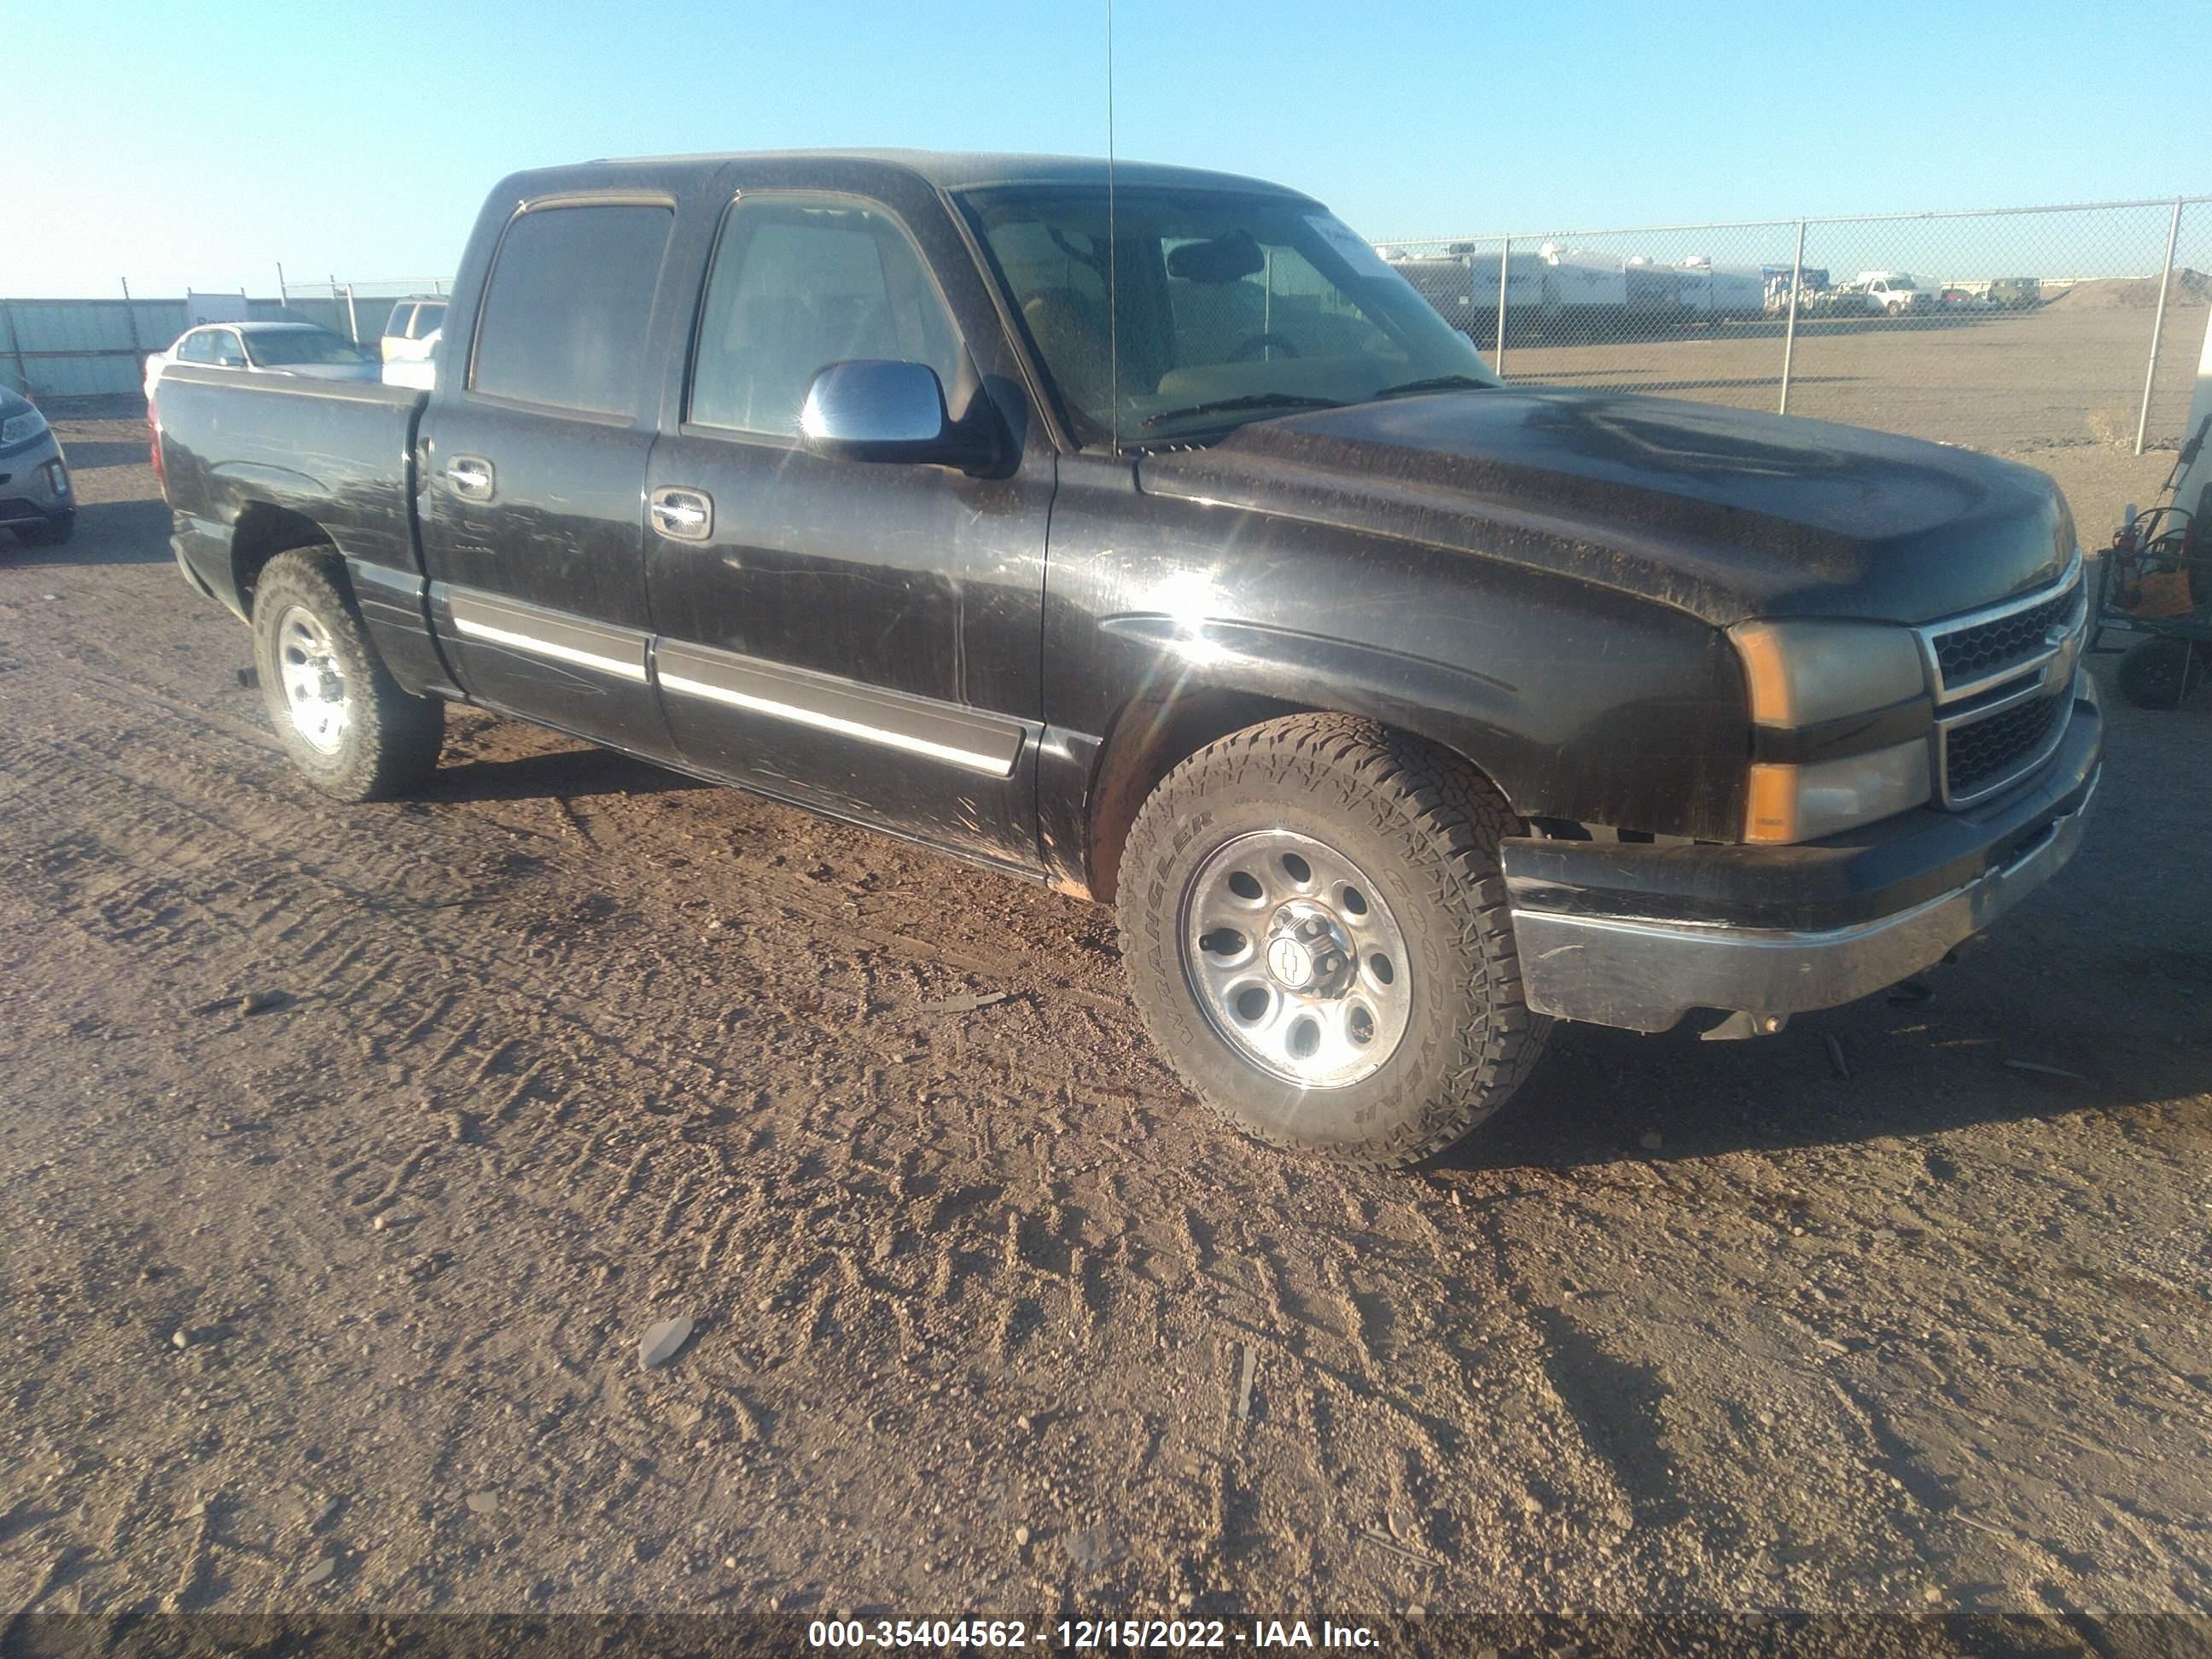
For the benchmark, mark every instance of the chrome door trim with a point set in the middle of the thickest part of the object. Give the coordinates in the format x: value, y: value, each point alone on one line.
x: 958, y: 736
x: 556, y: 634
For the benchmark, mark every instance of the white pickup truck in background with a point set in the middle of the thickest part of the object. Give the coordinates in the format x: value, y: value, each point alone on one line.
x: 1895, y: 291
x: 410, y: 336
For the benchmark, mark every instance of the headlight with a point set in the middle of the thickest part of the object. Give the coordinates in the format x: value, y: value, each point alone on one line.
x: 1803, y: 803
x: 1803, y: 673
x: 1843, y: 716
x: 21, y: 429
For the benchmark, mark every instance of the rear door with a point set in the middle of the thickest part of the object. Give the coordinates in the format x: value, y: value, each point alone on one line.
x: 533, y: 469
x: 862, y: 636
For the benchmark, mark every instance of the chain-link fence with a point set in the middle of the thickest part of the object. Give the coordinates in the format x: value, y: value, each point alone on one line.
x: 357, y: 310
x: 2011, y: 330
x: 86, y: 354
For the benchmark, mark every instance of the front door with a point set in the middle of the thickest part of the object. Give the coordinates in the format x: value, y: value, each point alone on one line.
x: 532, y: 471
x: 860, y: 636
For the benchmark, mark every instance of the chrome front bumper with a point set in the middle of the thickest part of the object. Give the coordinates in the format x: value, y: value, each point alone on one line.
x: 1646, y: 976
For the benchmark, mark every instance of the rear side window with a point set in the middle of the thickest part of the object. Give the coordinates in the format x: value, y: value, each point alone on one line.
x: 565, y: 317
x: 397, y: 328
x: 428, y: 320
x: 801, y: 282
x: 195, y: 349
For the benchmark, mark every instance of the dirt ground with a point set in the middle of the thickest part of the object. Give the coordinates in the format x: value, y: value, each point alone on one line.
x: 347, y: 1155
x: 2069, y: 376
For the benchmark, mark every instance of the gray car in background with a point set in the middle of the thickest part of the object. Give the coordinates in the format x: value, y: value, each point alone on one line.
x: 36, y: 500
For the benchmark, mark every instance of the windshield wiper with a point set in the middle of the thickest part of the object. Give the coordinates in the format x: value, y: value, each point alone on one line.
x: 1434, y: 382
x: 1254, y: 400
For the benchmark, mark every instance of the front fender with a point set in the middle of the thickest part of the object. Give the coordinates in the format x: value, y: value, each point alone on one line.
x: 1632, y: 718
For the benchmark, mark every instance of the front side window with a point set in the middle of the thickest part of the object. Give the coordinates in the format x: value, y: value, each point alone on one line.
x: 1262, y: 303
x: 565, y: 317
x: 799, y: 282
x: 227, y: 347
x: 428, y: 320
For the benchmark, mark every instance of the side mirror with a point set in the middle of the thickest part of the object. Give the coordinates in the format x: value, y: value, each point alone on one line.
x: 871, y: 410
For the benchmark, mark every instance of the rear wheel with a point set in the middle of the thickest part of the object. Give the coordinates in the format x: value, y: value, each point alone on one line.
x: 340, y: 715
x: 1316, y: 936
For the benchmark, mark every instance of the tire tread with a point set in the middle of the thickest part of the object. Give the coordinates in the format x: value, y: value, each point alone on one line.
x: 1450, y: 820
x: 397, y: 735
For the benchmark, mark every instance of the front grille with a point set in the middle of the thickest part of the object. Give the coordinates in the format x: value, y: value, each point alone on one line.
x: 2004, y: 686
x: 1989, y: 750
x: 1981, y: 649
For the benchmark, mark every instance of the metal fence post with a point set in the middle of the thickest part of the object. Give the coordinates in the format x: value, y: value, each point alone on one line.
x: 1504, y: 274
x: 16, y: 345
x: 131, y: 320
x: 284, y: 297
x: 1789, y: 328
x: 2158, y: 322
x: 353, y: 321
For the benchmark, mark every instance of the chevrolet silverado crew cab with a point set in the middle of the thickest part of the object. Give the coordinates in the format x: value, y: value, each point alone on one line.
x: 1140, y: 531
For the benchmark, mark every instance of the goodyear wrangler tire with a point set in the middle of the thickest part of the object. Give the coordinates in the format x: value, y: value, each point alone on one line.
x: 341, y: 718
x: 1315, y: 933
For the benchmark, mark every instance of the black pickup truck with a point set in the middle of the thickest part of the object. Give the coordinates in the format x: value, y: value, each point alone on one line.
x: 1142, y: 531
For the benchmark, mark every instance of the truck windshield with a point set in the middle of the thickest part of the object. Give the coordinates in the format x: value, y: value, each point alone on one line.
x: 283, y: 348
x: 1227, y: 308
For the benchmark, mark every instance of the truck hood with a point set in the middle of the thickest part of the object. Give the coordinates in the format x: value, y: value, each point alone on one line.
x: 1720, y: 511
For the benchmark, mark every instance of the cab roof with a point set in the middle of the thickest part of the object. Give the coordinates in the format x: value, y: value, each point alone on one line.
x: 964, y: 170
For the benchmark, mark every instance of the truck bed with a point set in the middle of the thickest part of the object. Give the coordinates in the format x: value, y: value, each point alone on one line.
x: 249, y: 456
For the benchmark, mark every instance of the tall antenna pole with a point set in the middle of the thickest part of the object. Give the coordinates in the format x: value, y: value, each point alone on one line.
x: 1113, y: 297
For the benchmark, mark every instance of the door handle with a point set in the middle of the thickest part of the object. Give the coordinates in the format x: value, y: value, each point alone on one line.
x: 682, y: 514
x: 469, y: 476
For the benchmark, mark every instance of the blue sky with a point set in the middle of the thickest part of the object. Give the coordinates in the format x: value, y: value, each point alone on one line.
x: 181, y: 143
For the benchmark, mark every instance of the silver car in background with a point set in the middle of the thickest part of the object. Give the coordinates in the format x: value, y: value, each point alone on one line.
x: 36, y: 500
x: 304, y: 349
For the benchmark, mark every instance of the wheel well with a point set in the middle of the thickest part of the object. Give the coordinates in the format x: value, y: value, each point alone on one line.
x: 263, y: 532
x: 1149, y: 740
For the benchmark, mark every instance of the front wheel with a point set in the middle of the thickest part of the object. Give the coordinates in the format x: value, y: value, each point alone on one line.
x: 340, y: 715
x: 1316, y: 935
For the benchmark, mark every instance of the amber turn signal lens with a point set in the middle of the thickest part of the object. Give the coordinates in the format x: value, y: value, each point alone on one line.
x: 1766, y: 676
x: 1770, y: 809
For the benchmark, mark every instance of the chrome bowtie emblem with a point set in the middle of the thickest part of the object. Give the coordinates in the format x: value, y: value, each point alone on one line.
x: 1286, y: 961
x: 2068, y: 647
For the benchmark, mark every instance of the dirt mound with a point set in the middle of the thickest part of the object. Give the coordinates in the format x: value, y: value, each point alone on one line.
x: 2191, y: 288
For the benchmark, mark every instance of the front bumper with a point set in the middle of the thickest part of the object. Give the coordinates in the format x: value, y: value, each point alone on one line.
x: 1636, y: 936
x: 34, y: 483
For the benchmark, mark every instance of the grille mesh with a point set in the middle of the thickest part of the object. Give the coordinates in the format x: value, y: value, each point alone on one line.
x: 1967, y: 654
x: 1978, y: 754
